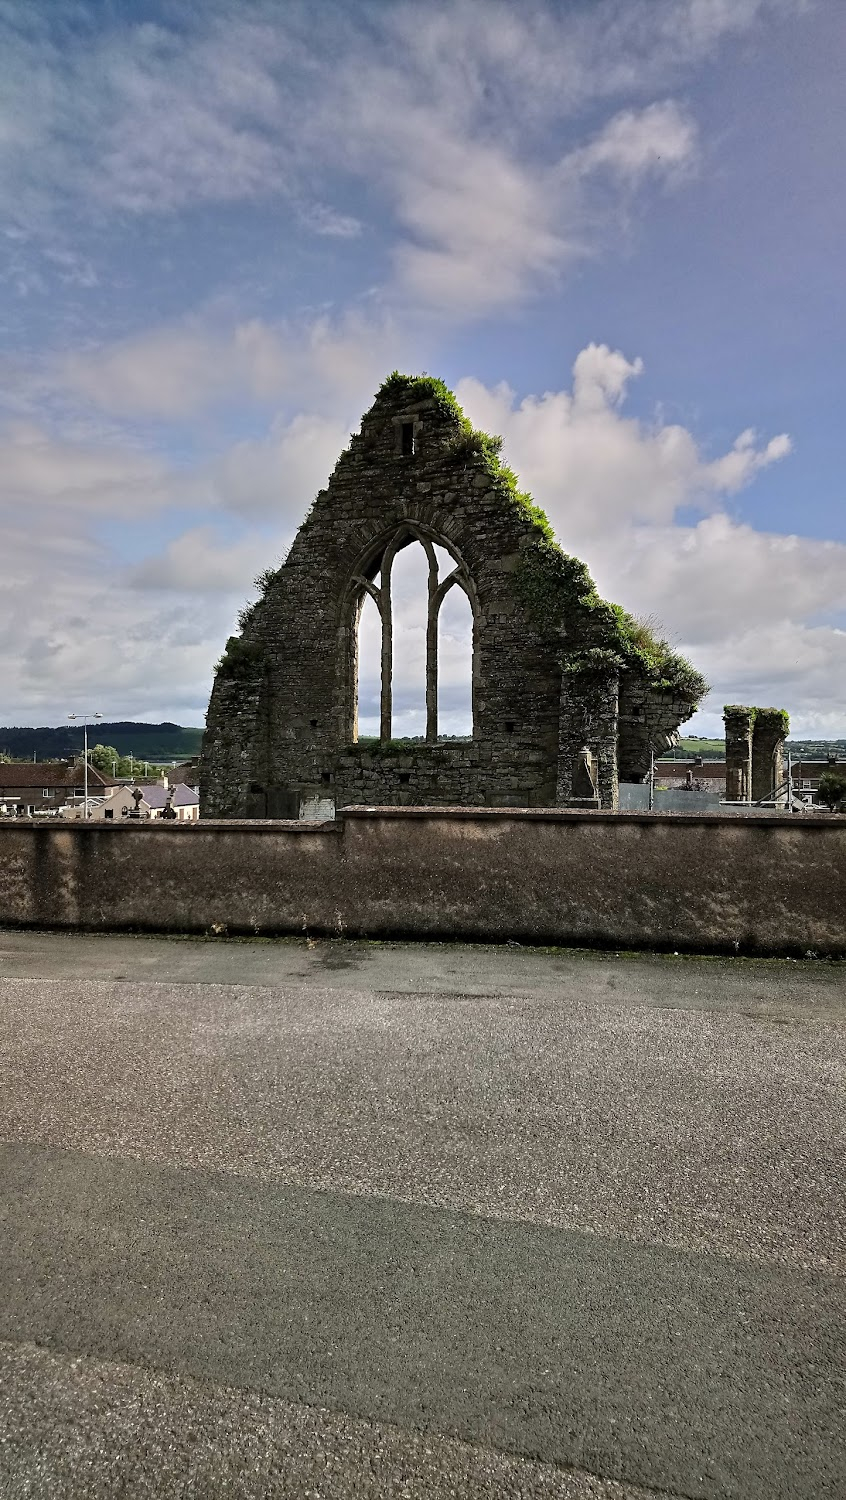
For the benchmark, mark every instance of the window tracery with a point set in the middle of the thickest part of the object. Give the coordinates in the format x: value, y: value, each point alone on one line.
x: 363, y: 582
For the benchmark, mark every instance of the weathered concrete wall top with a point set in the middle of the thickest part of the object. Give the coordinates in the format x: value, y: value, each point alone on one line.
x: 697, y: 882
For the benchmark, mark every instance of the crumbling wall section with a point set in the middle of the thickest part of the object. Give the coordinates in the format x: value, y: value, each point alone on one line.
x: 297, y: 728
x: 588, y: 722
x: 754, y: 751
x: 768, y: 737
x: 648, y: 721
x: 739, y: 721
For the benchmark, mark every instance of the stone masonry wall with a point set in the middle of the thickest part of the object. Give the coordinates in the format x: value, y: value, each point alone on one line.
x: 738, y: 721
x: 282, y: 720
x: 297, y: 725
x: 768, y: 738
x: 754, y: 751
x: 648, y: 720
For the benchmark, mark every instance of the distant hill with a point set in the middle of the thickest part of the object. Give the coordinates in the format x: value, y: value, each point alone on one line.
x: 817, y: 749
x: 160, y: 742
x: 690, y: 746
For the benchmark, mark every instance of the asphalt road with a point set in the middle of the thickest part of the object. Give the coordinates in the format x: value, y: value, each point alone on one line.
x: 331, y: 1219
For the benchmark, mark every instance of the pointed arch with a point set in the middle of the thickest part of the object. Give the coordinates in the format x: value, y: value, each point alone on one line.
x: 377, y: 560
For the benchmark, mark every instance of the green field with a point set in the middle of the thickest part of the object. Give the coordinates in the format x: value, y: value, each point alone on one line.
x: 716, y: 749
x: 692, y: 745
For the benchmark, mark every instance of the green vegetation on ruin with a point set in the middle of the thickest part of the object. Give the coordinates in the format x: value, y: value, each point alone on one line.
x: 240, y: 658
x: 469, y: 442
x: 548, y: 580
x: 741, y: 713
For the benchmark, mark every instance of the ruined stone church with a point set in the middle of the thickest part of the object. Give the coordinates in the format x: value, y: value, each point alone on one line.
x: 569, y: 693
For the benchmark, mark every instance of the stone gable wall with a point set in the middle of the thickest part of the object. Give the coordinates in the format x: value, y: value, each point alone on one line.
x: 288, y: 720
x: 281, y: 725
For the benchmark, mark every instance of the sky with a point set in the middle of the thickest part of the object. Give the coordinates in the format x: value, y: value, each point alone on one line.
x: 614, y: 227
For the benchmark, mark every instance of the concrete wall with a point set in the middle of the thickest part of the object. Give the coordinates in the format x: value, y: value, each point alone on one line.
x: 634, y: 797
x: 695, y: 882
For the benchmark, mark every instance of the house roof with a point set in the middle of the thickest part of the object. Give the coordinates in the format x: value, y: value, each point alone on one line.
x: 709, y: 770
x: 48, y: 773
x: 817, y: 767
x: 156, y: 796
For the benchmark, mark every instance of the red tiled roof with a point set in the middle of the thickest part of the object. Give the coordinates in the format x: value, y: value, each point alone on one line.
x: 709, y: 770
x: 49, y: 773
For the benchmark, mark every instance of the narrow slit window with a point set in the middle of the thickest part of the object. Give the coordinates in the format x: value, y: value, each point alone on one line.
x: 408, y: 439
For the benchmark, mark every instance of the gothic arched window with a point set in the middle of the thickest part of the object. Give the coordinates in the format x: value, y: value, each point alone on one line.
x: 373, y: 582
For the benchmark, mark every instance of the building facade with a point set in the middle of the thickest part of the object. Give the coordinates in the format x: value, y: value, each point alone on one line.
x: 30, y: 789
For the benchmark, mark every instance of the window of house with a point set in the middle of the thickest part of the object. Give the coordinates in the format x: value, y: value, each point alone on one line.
x: 46, y: 792
x: 108, y: 812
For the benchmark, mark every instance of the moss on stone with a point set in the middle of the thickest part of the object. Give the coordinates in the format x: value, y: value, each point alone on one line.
x: 415, y: 388
x: 469, y: 443
x: 240, y: 658
x: 774, y: 718
x: 550, y: 583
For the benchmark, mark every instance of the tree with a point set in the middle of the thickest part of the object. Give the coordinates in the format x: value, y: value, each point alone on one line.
x: 832, y: 789
x: 105, y: 758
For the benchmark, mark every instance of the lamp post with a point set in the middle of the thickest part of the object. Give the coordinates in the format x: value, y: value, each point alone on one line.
x: 85, y: 718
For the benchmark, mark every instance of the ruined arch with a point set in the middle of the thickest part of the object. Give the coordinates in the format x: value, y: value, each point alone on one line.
x: 549, y: 657
x: 377, y: 561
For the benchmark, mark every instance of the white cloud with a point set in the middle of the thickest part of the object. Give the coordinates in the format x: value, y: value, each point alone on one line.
x: 250, y: 101
x: 760, y: 613
x: 174, y: 371
x: 37, y: 467
x: 201, y: 561
x: 279, y: 475
x: 592, y: 466
x: 321, y: 219
x: 658, y: 139
x: 74, y: 635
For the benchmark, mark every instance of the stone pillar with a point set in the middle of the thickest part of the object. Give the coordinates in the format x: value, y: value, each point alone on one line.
x: 768, y: 736
x: 738, y: 721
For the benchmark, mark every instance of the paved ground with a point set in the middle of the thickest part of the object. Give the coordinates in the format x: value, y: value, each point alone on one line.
x: 330, y: 1219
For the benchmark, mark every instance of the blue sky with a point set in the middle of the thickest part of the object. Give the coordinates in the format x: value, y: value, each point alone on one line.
x: 615, y: 227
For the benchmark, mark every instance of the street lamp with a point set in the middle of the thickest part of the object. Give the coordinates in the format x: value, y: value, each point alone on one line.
x: 85, y: 718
